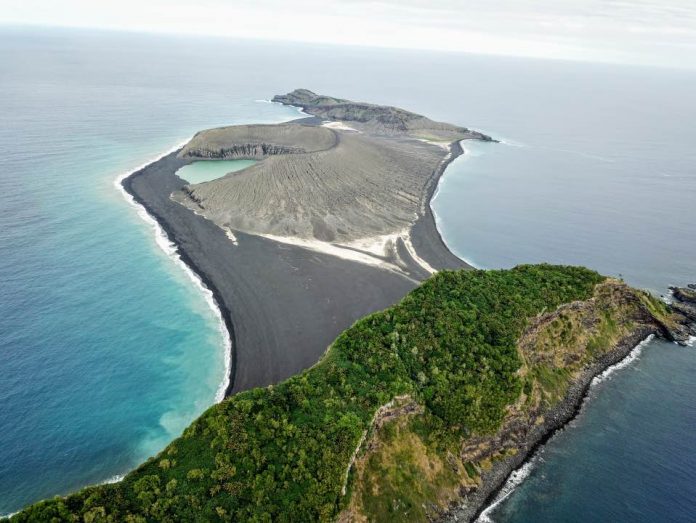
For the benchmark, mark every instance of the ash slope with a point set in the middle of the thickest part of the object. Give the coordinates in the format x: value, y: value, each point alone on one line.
x: 332, y: 185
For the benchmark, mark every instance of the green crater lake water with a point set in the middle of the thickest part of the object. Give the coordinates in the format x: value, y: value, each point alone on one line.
x: 206, y: 170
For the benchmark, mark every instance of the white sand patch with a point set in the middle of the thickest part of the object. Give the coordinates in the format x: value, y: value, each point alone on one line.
x: 231, y: 236
x: 341, y: 126
x: 385, y: 244
x: 370, y: 250
x: 332, y: 249
x: 377, y: 245
x: 412, y: 251
x: 443, y: 145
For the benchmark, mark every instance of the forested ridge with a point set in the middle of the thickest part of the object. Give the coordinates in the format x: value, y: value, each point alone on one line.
x: 281, y: 453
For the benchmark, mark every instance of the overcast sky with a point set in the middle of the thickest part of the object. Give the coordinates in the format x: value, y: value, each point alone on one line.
x: 631, y: 31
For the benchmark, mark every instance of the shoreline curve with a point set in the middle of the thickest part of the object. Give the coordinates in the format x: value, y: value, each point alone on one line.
x: 174, y: 251
x: 527, y: 466
x: 426, y: 239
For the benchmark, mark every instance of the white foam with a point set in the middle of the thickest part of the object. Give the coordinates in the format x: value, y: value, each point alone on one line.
x: 114, y: 479
x: 632, y: 356
x: 692, y: 341
x: 170, y: 249
x: 514, y: 480
x: 299, y: 109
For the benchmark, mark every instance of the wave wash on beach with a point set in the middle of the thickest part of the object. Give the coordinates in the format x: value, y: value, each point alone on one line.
x: 170, y: 248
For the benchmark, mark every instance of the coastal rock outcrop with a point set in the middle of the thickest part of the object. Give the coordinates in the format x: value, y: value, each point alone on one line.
x: 562, y: 351
x: 684, y: 305
x: 685, y: 294
x: 375, y: 119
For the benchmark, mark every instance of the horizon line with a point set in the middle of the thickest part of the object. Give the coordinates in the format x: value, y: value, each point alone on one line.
x: 319, y: 43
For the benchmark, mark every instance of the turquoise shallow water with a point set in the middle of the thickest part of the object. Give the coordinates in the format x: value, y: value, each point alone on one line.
x: 205, y: 171
x: 108, y: 349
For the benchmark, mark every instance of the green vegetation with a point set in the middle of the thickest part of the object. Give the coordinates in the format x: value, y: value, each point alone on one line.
x: 577, y: 335
x: 552, y: 381
x: 281, y: 453
x: 404, y: 477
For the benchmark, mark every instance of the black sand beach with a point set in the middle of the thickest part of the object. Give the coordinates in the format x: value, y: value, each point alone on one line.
x: 425, y: 236
x: 283, y: 305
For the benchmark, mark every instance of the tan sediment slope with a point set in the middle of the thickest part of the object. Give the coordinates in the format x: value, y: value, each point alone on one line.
x: 323, y: 184
x: 359, y: 187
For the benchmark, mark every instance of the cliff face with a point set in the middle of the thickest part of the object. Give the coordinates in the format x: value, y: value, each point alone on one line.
x: 256, y: 142
x: 684, y: 305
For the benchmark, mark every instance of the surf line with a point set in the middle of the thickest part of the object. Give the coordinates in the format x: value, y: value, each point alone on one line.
x: 172, y: 251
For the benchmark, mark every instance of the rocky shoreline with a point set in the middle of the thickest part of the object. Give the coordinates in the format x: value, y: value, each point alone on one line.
x: 494, y: 480
x: 283, y: 305
x: 556, y: 419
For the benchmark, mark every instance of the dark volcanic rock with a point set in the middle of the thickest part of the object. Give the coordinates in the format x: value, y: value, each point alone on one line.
x: 684, y: 294
x: 377, y: 119
x: 687, y: 310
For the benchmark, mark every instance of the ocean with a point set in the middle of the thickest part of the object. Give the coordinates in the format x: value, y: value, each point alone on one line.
x: 109, y: 347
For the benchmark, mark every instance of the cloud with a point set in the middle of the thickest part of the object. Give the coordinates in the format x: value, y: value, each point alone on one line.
x: 639, y: 31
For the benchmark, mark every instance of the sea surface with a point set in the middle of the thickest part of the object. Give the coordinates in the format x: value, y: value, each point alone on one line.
x: 109, y: 348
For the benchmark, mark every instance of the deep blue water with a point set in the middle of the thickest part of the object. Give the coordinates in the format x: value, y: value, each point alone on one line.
x: 108, y: 349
